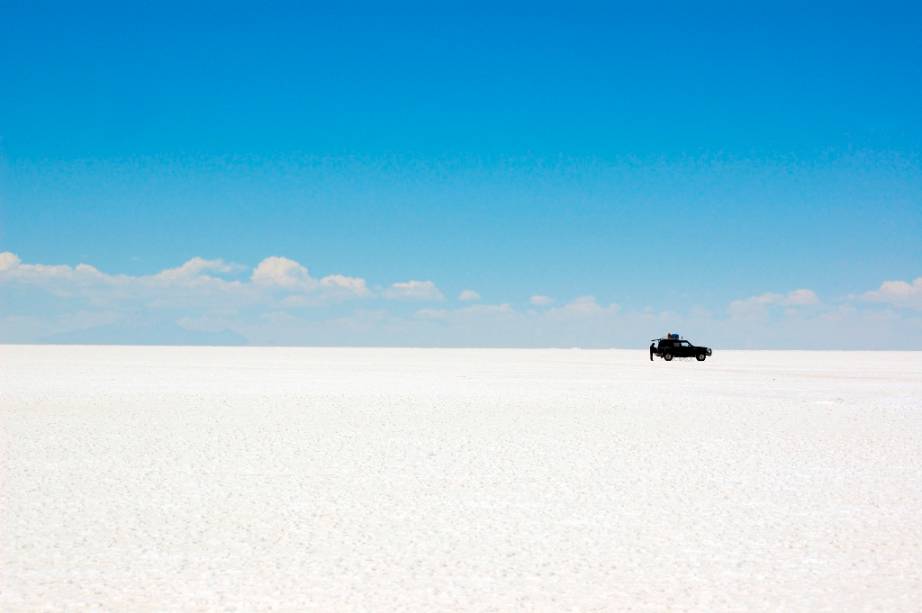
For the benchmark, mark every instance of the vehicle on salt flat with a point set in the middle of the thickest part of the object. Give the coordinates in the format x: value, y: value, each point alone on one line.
x: 674, y: 346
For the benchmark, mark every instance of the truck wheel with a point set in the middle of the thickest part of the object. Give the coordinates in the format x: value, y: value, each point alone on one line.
x: 701, y: 357
x: 667, y: 357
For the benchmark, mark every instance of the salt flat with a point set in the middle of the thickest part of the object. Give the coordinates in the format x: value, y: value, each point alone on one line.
x: 408, y: 479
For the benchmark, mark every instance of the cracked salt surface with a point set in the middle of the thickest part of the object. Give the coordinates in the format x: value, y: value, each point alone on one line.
x: 404, y: 479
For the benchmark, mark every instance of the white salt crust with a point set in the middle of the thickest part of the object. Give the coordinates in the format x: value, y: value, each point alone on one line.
x: 138, y: 478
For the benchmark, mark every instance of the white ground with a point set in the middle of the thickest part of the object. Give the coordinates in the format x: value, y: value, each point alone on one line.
x: 377, y: 479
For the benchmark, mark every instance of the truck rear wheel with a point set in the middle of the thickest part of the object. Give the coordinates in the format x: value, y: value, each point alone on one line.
x: 667, y: 356
x: 701, y: 357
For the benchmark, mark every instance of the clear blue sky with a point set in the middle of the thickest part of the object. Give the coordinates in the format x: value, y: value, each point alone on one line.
x: 670, y: 159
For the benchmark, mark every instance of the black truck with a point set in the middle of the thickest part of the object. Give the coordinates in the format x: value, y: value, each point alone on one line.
x: 673, y: 346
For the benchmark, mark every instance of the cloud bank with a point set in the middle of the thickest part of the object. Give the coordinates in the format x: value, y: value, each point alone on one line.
x: 280, y: 302
x: 897, y: 293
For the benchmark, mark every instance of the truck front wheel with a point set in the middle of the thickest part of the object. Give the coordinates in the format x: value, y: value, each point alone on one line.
x: 667, y: 357
x: 701, y: 357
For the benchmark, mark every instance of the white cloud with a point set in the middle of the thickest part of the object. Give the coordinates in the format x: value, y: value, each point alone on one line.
x: 84, y: 276
x: 58, y: 279
x: 8, y: 260
x: 349, y: 285
x: 801, y: 297
x: 188, y: 270
x: 414, y: 290
x: 288, y: 275
x: 191, y: 284
x: 539, y: 300
x: 757, y: 305
x: 897, y: 293
x: 468, y: 295
x: 584, y: 306
x: 282, y: 272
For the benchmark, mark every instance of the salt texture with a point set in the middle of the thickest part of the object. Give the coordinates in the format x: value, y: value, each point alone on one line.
x: 408, y: 479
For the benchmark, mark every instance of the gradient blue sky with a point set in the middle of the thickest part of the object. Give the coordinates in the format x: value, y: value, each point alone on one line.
x: 682, y: 166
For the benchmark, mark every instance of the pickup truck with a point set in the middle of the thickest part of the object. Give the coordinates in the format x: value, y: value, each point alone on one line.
x: 671, y: 347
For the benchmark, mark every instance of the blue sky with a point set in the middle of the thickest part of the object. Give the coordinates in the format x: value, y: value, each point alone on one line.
x: 592, y: 175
